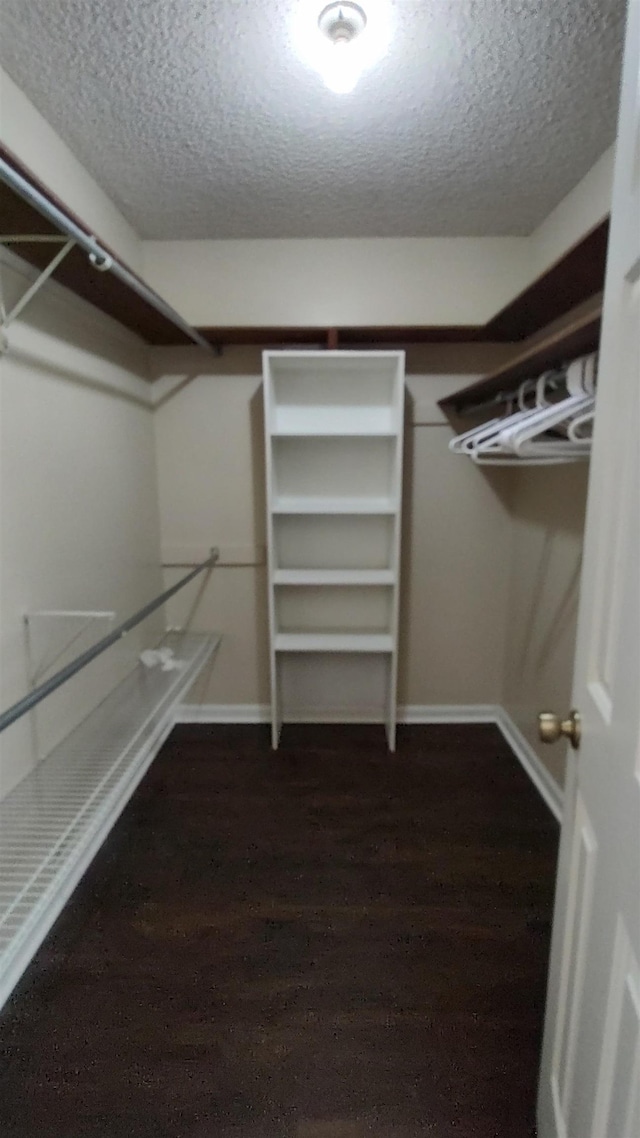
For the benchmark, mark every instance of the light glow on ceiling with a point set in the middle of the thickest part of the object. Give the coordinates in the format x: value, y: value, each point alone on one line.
x: 341, y: 61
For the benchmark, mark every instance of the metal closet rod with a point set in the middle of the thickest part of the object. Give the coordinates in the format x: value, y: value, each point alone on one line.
x: 43, y: 690
x: 101, y: 258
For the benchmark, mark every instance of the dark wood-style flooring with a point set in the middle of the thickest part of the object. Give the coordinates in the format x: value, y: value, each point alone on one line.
x: 328, y: 942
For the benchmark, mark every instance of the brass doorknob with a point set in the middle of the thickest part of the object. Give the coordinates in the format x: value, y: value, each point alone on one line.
x: 551, y: 728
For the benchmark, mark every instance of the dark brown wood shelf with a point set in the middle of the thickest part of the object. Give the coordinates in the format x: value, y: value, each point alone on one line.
x: 365, y: 335
x: 580, y: 336
x: 571, y: 280
x: 105, y: 290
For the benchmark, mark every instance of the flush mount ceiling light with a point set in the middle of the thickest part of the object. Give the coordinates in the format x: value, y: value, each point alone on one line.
x: 342, y: 41
x: 341, y: 24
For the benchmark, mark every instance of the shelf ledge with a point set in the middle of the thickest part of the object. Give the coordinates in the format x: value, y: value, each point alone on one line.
x: 334, y: 577
x: 334, y: 421
x: 304, y: 505
x: 333, y: 642
x: 579, y: 337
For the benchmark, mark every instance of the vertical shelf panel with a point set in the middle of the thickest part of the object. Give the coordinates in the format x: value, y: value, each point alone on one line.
x: 334, y: 425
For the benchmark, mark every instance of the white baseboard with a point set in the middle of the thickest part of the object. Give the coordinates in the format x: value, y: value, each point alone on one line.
x: 261, y: 713
x: 544, y: 783
x: 447, y: 713
x: 223, y: 713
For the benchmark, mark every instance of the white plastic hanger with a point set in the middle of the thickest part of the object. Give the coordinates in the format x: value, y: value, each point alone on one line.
x: 493, y: 441
x: 562, y: 398
x: 574, y: 430
x: 521, y: 440
x: 466, y: 444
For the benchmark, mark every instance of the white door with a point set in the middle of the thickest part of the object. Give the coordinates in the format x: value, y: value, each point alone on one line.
x: 590, y: 1077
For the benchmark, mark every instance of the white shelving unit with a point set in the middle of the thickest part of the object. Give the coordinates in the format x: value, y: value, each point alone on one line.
x: 334, y: 431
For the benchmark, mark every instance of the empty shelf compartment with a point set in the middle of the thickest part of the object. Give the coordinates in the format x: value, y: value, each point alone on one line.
x: 342, y: 608
x: 357, y: 379
x: 306, y: 577
x: 322, y: 542
x: 334, y: 686
x: 335, y: 468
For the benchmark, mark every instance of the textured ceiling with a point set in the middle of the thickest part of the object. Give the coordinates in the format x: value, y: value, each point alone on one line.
x: 199, y: 120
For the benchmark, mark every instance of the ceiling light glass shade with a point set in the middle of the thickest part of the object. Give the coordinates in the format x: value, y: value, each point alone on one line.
x: 341, y: 62
x: 341, y: 70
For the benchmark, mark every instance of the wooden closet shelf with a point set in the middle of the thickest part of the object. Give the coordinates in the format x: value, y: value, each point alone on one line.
x: 118, y: 291
x: 575, y: 339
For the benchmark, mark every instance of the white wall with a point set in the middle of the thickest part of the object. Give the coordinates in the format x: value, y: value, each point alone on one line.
x: 457, y: 535
x: 587, y: 204
x: 457, y: 528
x: 324, y: 283
x: 78, y: 504
x: 210, y: 477
x: 24, y: 131
x: 548, y: 511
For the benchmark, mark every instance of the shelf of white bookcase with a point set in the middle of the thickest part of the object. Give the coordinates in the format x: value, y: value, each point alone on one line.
x: 333, y: 642
x: 334, y: 421
x: 289, y: 504
x: 334, y: 577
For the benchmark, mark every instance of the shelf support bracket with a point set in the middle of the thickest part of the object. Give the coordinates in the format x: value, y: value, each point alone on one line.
x: 7, y: 318
x: 87, y: 618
